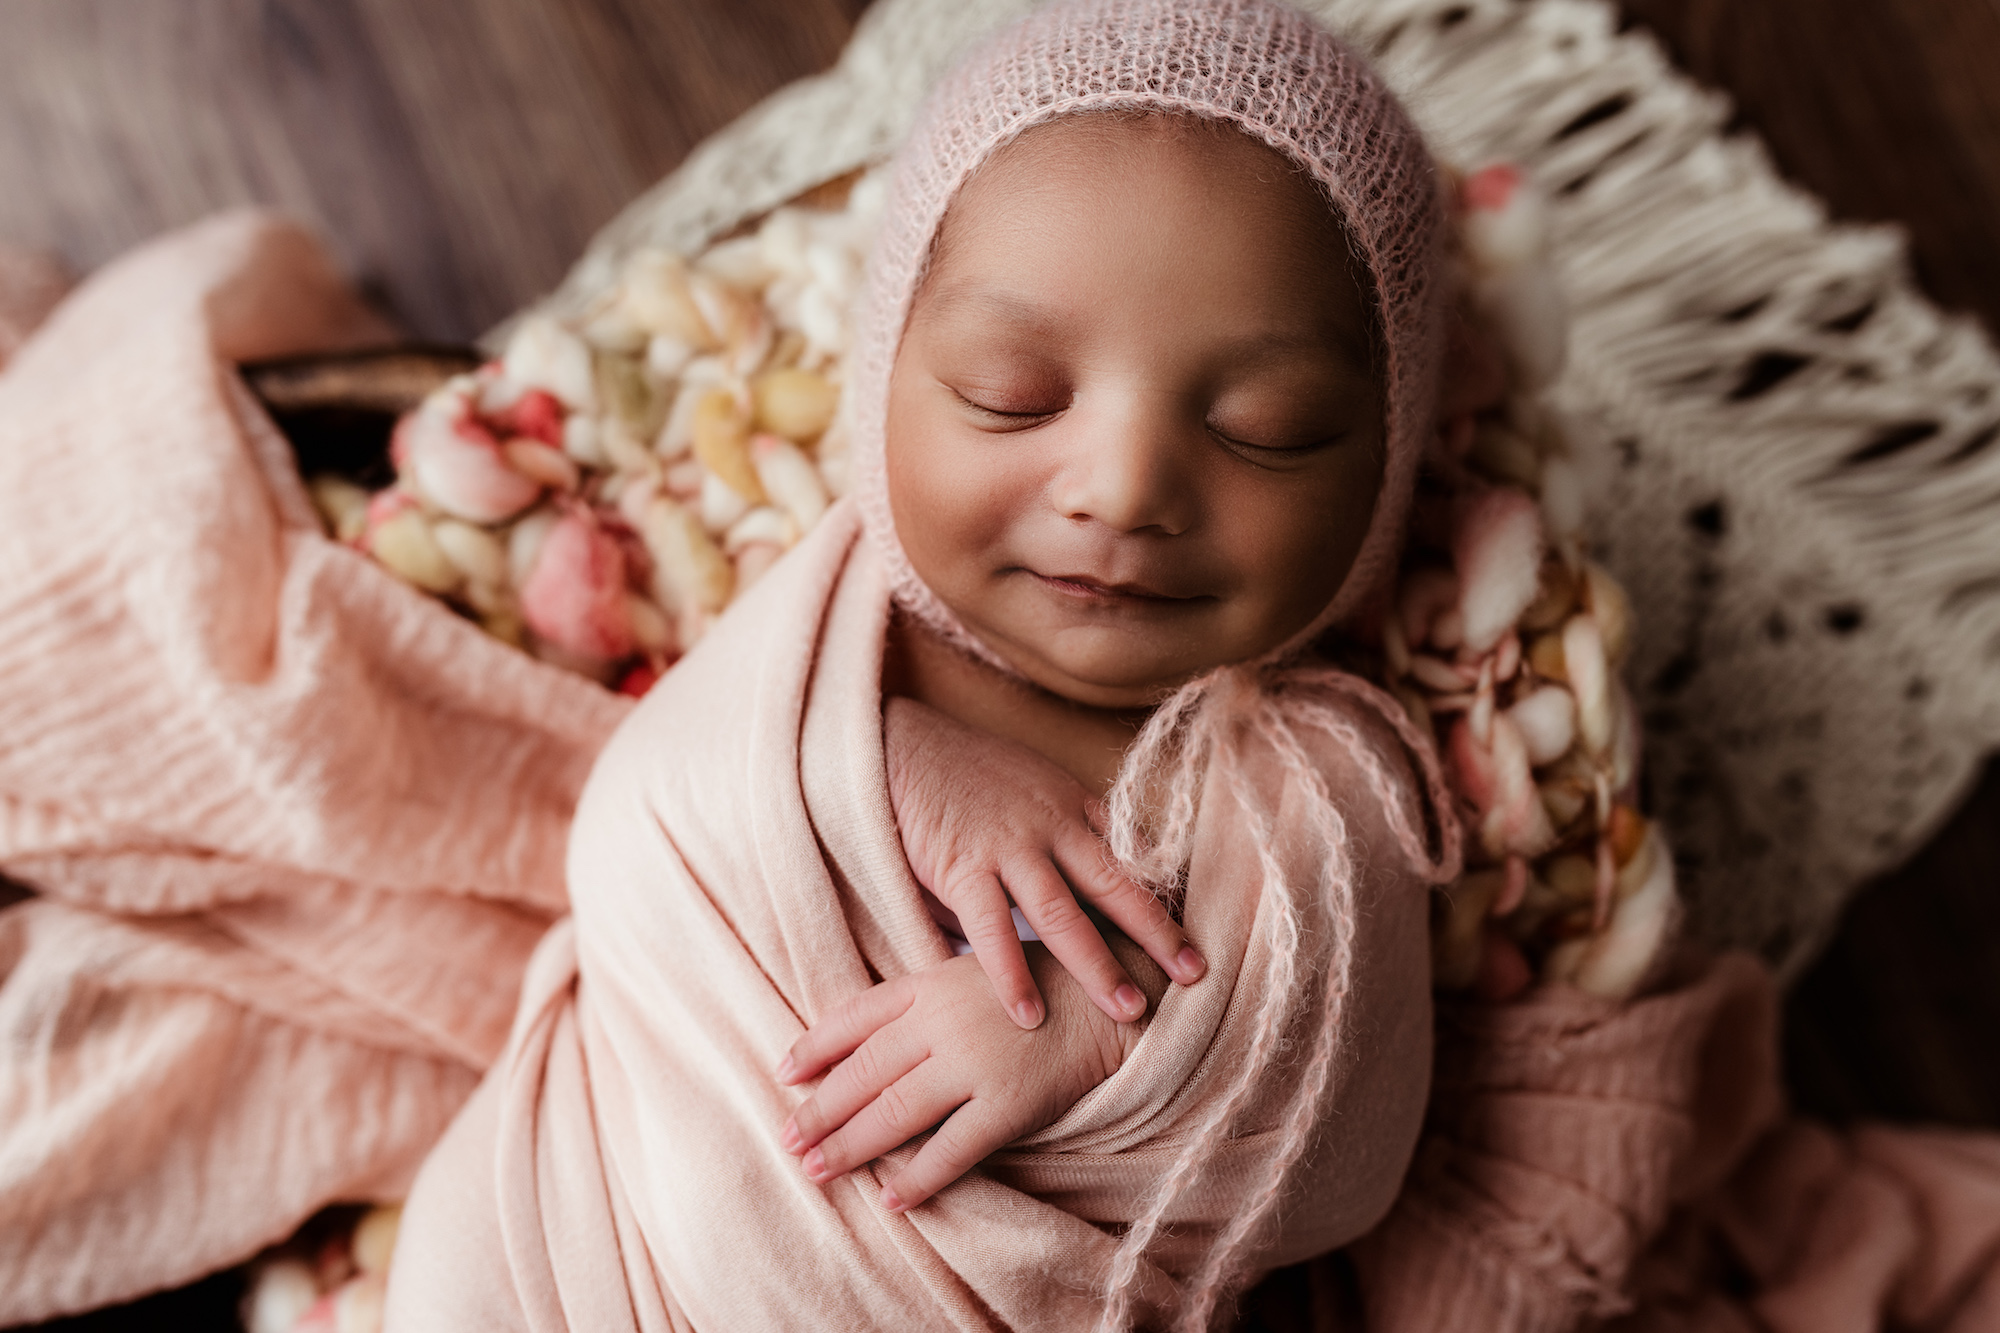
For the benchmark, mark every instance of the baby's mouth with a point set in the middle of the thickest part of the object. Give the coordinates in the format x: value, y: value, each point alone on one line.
x: 1087, y: 589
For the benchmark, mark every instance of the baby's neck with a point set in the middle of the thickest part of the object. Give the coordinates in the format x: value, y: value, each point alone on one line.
x: 1089, y: 743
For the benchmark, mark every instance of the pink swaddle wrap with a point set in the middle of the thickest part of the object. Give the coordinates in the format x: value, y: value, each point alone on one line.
x: 735, y: 872
x: 1285, y: 82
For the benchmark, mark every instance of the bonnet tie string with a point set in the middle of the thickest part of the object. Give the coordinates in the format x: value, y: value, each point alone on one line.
x: 1306, y: 928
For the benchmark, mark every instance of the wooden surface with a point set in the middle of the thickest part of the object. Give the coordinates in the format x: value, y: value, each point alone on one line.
x: 1887, y: 109
x: 460, y: 154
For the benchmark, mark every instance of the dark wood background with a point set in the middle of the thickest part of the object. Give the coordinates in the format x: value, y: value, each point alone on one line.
x: 460, y: 154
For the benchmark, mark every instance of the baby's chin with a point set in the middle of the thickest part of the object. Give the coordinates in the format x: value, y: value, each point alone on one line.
x: 1100, y: 668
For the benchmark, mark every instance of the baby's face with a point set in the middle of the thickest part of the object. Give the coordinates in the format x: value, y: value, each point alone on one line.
x: 1134, y: 431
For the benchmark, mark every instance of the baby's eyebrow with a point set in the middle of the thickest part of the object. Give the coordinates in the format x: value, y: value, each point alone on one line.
x: 1277, y: 342
x: 994, y: 303
x: 1028, y: 315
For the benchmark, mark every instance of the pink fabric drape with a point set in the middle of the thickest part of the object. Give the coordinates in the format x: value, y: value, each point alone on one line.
x: 295, y: 828
x: 1629, y: 1167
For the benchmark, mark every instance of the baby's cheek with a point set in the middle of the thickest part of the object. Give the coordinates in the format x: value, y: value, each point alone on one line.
x: 1311, y: 543
x: 954, y: 499
x: 1290, y: 558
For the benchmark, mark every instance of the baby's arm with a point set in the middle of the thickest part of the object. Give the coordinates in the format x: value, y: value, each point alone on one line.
x: 984, y: 820
x: 932, y: 1047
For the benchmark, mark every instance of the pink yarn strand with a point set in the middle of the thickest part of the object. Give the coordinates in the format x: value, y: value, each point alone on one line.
x: 1204, y: 723
x: 1450, y: 861
x: 1441, y: 868
x: 1278, y: 920
x: 1172, y: 748
x: 1222, y: 1269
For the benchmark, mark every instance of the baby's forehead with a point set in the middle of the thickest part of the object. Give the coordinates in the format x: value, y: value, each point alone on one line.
x: 1169, y: 159
x: 1087, y: 140
x: 1234, y: 198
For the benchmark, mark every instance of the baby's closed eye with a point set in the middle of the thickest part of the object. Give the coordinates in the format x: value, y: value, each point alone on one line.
x: 1012, y: 406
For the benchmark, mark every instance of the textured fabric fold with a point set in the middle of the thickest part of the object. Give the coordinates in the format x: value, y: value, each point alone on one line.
x: 1627, y: 1167
x: 294, y: 827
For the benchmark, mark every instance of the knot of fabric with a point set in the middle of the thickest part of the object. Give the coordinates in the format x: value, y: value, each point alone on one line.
x: 1152, y: 808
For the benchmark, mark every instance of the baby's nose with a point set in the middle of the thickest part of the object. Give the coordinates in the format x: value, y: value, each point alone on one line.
x: 1128, y: 470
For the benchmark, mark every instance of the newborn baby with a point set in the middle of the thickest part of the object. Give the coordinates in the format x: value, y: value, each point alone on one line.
x: 1145, y: 367
x: 1125, y: 445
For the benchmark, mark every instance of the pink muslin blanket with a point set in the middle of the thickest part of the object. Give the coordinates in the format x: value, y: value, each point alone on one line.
x: 295, y: 829
x: 1627, y: 1167
x: 734, y: 874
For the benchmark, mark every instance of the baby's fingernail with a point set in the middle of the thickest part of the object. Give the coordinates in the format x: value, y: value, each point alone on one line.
x: 1191, y: 964
x: 789, y: 1140
x: 891, y: 1200
x: 1129, y: 1001
x: 1028, y: 1014
x: 786, y: 1068
x: 815, y: 1164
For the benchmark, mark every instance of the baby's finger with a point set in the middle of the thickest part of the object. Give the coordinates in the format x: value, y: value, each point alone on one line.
x: 1045, y: 899
x: 1131, y: 908
x: 988, y: 921
x: 905, y: 1109
x: 837, y: 1035
x: 854, y: 1083
x: 960, y: 1144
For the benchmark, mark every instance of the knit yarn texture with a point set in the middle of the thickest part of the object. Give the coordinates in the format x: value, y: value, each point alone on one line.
x: 1261, y: 67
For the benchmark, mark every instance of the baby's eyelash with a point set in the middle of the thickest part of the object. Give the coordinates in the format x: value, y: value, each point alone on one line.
x: 1279, y: 450
x: 1016, y: 417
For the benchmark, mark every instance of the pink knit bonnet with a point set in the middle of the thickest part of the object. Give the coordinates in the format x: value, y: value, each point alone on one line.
x: 1260, y: 66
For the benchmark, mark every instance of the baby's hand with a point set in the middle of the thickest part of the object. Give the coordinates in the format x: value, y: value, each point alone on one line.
x: 984, y: 820
x: 931, y: 1045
